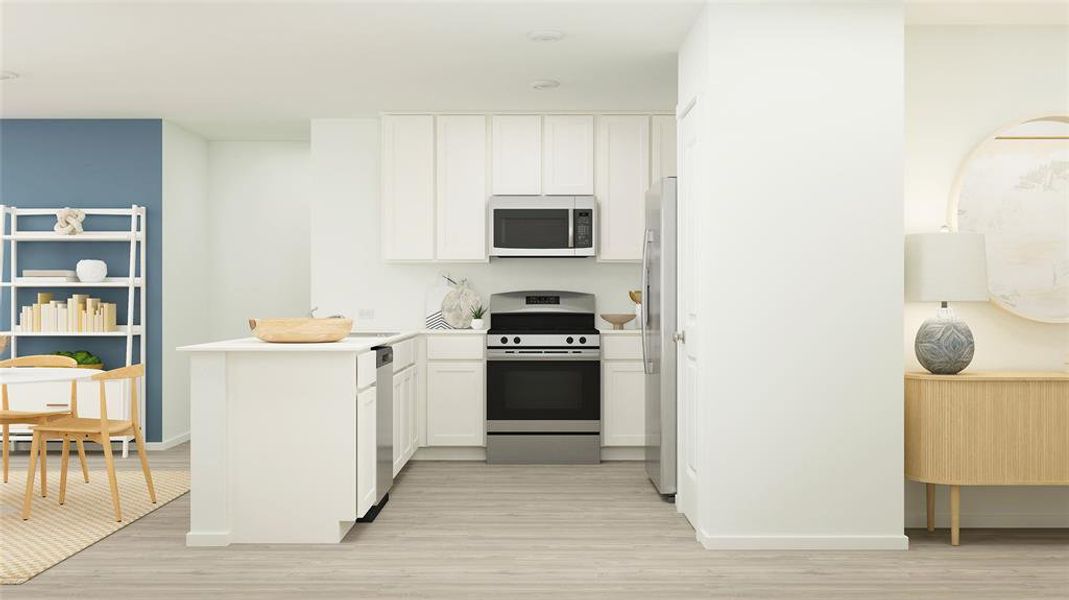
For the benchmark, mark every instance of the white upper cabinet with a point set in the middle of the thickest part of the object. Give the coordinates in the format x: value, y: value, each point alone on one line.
x: 517, y: 155
x: 462, y: 193
x: 663, y: 155
x: 408, y: 187
x: 568, y: 155
x: 623, y: 177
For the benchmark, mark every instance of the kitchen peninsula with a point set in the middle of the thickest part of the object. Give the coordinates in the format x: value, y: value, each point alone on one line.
x: 283, y: 434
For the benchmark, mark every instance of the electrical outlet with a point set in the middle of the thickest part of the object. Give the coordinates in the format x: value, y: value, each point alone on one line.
x: 366, y: 314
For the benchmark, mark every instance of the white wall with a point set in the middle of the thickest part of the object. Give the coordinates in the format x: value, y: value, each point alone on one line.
x: 185, y: 267
x: 348, y: 275
x: 258, y: 235
x: 801, y: 423
x: 962, y: 84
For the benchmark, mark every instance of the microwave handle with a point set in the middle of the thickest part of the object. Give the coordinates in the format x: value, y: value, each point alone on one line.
x: 571, y: 228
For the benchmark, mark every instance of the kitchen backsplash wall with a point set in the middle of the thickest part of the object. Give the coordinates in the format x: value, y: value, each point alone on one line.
x: 348, y: 275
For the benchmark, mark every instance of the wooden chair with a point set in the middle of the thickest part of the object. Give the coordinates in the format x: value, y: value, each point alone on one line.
x: 96, y: 430
x: 10, y: 417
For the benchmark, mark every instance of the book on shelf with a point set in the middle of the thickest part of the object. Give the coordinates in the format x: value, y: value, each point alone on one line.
x: 77, y: 314
x: 48, y: 273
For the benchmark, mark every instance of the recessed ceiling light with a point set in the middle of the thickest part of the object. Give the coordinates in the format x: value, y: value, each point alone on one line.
x: 8, y: 75
x: 545, y: 35
x: 544, y: 84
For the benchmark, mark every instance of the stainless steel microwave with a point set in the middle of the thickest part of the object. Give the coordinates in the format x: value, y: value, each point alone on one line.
x: 542, y: 225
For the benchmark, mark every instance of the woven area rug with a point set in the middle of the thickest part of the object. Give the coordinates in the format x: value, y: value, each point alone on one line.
x: 54, y: 533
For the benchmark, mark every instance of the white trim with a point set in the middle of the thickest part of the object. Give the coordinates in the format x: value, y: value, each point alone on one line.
x: 450, y: 453
x: 802, y: 542
x: 629, y: 453
x: 221, y: 538
x: 169, y: 443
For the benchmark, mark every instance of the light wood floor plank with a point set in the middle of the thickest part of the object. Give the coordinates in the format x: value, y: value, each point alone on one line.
x: 471, y: 530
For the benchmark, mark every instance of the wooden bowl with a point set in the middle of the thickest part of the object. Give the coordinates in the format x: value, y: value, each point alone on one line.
x: 618, y: 320
x: 635, y: 296
x: 301, y: 331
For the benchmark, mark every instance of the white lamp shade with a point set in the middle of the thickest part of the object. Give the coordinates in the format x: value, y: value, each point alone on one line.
x: 946, y: 267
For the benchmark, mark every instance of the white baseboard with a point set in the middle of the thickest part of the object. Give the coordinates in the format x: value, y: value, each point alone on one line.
x: 610, y: 453
x: 993, y: 520
x: 450, y: 453
x: 196, y: 539
x: 809, y: 542
x: 168, y: 443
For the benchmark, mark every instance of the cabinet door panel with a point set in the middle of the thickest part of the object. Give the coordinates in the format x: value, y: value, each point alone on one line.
x: 365, y: 451
x: 623, y: 168
x: 568, y: 155
x: 663, y: 147
x: 408, y: 187
x: 517, y: 154
x: 623, y: 403
x: 461, y: 201
x: 398, y: 424
x: 456, y: 405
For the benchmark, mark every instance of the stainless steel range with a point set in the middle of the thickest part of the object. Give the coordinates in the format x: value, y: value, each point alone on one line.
x: 543, y: 379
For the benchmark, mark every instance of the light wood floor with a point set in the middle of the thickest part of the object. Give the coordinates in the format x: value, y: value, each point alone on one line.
x: 469, y: 530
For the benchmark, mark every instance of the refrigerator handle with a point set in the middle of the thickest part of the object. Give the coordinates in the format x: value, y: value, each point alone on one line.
x: 644, y: 307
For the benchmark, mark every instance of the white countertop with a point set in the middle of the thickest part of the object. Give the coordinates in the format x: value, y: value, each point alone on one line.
x: 360, y: 343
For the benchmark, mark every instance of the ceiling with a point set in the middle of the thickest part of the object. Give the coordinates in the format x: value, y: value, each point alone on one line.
x: 250, y: 70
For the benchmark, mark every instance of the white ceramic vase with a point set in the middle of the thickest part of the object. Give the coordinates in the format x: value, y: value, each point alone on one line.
x: 477, y: 323
x: 91, y: 270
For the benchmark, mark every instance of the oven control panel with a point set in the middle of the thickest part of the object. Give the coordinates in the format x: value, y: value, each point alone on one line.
x: 547, y: 346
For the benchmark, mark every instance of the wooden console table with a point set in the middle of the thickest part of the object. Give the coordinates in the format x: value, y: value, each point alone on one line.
x: 1006, y: 428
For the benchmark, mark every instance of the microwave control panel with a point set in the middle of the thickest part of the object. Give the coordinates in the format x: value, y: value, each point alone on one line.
x: 584, y: 228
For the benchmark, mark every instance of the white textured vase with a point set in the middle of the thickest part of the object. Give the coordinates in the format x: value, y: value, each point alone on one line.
x: 477, y: 323
x: 91, y: 270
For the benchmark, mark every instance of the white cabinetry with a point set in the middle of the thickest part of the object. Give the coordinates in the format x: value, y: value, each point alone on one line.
x: 517, y: 154
x: 408, y: 187
x: 455, y: 403
x: 455, y: 392
x: 461, y: 186
x: 568, y: 155
x: 366, y: 440
x: 404, y: 417
x: 663, y: 147
x: 623, y: 177
x: 623, y: 392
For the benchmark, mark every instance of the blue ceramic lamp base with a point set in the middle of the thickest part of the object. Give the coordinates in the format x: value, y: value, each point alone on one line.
x: 944, y: 343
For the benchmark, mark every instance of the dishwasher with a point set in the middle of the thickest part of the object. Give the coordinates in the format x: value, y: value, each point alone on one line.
x: 383, y: 430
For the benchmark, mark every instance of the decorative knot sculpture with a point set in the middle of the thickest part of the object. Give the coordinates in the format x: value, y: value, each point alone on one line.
x: 69, y: 221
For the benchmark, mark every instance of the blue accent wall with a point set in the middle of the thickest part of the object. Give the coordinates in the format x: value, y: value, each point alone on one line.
x: 89, y: 163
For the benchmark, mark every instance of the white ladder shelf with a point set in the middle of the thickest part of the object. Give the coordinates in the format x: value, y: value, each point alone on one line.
x: 134, y: 282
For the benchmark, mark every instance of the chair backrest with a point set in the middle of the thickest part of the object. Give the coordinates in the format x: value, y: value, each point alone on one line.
x: 133, y: 373
x: 42, y: 360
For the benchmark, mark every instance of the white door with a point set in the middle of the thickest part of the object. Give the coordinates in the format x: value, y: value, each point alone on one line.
x: 662, y: 147
x: 568, y: 155
x: 516, y: 151
x: 408, y: 187
x: 408, y: 397
x: 689, y: 206
x: 462, y: 189
x: 623, y: 403
x: 623, y: 177
x: 400, y: 414
x: 456, y: 405
x: 365, y: 451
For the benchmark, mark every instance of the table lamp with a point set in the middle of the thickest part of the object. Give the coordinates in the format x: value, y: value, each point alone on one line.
x: 945, y: 267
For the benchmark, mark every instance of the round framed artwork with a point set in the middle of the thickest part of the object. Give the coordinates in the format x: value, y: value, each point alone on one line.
x: 1014, y: 189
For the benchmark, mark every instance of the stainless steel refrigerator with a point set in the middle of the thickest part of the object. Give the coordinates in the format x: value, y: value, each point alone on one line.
x: 658, y: 322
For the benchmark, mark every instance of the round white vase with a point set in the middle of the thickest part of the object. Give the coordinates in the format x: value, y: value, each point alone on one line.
x: 91, y: 270
x: 476, y: 323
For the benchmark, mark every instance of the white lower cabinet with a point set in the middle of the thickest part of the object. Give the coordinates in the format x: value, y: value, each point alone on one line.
x: 404, y: 417
x: 456, y: 403
x: 366, y: 441
x: 623, y: 396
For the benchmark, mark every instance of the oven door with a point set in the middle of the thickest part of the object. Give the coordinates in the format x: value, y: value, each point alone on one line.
x: 520, y: 226
x: 543, y: 396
